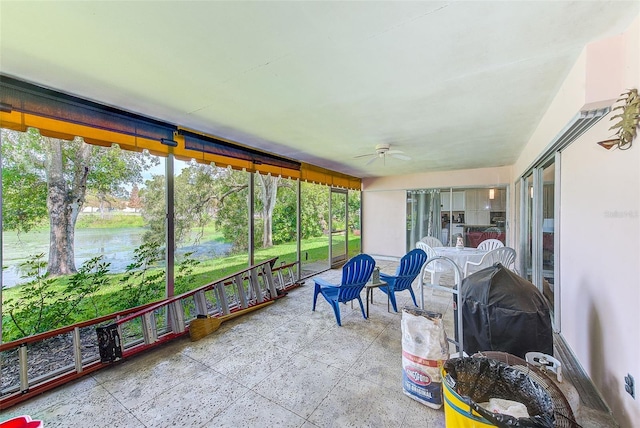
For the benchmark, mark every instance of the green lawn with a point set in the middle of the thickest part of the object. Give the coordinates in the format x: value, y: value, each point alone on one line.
x: 108, y: 221
x: 106, y: 299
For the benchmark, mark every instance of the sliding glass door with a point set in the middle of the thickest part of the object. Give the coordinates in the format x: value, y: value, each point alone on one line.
x: 314, y: 222
x: 423, y: 216
x: 473, y: 214
x: 355, y: 206
x: 548, y: 252
x: 538, y: 220
x: 338, y: 226
x: 526, y: 227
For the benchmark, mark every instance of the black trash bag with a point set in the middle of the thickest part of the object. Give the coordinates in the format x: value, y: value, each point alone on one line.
x: 477, y: 379
x: 501, y: 311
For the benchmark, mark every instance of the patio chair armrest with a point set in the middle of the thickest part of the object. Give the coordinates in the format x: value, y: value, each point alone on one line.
x: 386, y: 277
x: 468, y: 264
x: 324, y: 283
x: 389, y: 279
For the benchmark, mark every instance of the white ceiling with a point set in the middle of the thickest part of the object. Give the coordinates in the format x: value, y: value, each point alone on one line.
x: 452, y: 84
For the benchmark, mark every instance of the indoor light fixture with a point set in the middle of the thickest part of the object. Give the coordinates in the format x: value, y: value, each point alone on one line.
x: 492, y: 193
x: 531, y: 192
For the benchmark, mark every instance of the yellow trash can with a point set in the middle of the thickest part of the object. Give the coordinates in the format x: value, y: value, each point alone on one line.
x: 458, y: 414
x: 482, y: 379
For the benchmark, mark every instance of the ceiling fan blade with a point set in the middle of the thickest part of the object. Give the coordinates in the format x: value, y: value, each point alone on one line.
x: 394, y: 152
x: 401, y: 157
x: 365, y: 156
x: 371, y: 161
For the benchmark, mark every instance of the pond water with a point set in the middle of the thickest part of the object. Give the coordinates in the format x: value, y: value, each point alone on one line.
x: 116, y: 245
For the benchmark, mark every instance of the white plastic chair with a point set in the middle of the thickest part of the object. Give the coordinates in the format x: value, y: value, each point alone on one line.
x: 435, y: 268
x: 431, y: 241
x: 504, y: 255
x: 490, y: 244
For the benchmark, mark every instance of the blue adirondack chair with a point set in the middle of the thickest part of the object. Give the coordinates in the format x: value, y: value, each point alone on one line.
x: 408, y: 270
x: 355, y: 274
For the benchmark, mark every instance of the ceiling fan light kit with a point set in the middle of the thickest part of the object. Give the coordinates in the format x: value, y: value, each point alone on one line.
x: 381, y: 152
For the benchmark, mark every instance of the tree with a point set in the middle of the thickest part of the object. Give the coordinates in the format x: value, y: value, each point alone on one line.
x: 232, y: 211
x: 314, y: 209
x: 232, y: 217
x: 233, y: 208
x: 67, y: 169
x: 39, y: 307
x: 284, y: 221
x: 196, y: 199
x: 112, y: 169
x: 205, y: 193
x: 268, y: 186
x: 22, y: 193
x: 354, y: 210
x: 134, y: 198
x: 154, y: 209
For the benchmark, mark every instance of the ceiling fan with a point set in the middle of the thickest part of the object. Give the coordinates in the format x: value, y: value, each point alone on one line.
x: 382, y: 151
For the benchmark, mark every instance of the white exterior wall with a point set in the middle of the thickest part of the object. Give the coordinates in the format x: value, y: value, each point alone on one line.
x: 599, y: 223
x: 384, y: 203
x: 383, y: 223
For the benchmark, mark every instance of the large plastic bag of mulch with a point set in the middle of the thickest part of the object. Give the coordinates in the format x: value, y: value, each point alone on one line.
x: 424, y: 350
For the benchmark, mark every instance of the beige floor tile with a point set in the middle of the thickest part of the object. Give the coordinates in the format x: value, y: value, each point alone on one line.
x: 356, y: 402
x: 419, y: 415
x: 301, y: 331
x: 63, y: 394
x: 95, y: 407
x: 272, y: 367
x: 250, y: 365
x: 253, y: 410
x: 192, y: 402
x: 300, y: 385
x: 297, y: 302
x: 382, y: 361
x: 139, y: 380
x: 256, y: 323
x: 369, y: 328
x: 339, y: 349
x: 215, y: 347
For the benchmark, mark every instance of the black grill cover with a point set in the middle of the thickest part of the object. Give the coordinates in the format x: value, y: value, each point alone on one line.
x: 501, y: 311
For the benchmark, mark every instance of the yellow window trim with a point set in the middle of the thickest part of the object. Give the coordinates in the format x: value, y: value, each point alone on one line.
x: 65, y: 130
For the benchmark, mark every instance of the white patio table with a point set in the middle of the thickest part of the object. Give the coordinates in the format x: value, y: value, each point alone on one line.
x: 459, y: 255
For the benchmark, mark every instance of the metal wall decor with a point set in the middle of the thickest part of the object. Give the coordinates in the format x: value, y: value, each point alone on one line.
x: 628, y: 120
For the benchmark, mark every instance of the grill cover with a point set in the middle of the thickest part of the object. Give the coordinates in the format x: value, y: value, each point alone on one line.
x: 502, y: 311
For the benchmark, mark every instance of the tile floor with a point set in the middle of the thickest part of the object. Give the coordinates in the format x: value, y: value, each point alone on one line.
x: 281, y: 366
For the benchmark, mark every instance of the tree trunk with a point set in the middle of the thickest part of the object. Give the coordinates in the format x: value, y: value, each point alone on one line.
x: 269, y: 191
x: 64, y: 201
x: 101, y: 206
